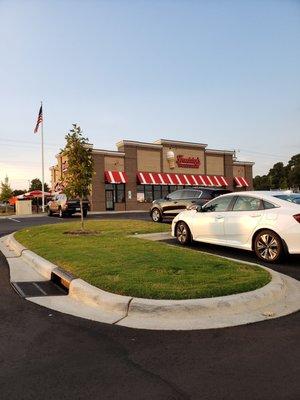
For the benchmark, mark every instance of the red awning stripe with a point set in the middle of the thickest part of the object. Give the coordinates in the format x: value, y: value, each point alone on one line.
x: 224, y: 181
x: 115, y: 177
x: 217, y: 180
x: 202, y: 181
x: 154, y: 178
x: 241, y: 181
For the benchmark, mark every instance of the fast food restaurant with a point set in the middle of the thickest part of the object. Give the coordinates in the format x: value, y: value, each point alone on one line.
x: 137, y: 173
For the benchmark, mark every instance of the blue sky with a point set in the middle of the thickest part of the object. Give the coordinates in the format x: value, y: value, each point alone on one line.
x: 224, y: 73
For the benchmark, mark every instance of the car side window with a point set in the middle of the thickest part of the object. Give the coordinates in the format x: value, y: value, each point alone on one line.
x: 247, y: 203
x: 198, y: 194
x: 190, y: 194
x: 268, y: 205
x: 175, y: 195
x: 218, y: 205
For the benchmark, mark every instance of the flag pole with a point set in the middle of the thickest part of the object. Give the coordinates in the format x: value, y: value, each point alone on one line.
x: 43, y: 166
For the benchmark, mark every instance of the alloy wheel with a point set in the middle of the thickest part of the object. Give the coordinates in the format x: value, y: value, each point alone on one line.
x: 268, y: 247
x: 156, y: 215
x: 182, y: 233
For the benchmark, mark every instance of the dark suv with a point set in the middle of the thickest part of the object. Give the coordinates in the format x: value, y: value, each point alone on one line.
x: 64, y: 207
x: 177, y: 201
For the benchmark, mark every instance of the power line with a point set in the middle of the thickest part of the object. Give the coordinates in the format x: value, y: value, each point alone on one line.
x: 10, y: 142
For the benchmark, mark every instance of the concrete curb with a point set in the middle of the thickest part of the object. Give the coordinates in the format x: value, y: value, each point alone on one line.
x: 83, y: 291
x: 279, y: 297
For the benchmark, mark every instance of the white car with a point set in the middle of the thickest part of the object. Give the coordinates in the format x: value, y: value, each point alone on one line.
x: 257, y: 221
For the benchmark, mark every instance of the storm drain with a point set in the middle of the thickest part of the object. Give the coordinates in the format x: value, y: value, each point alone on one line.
x: 38, y: 289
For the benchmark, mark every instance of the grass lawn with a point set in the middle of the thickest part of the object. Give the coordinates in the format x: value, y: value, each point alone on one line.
x: 130, y: 266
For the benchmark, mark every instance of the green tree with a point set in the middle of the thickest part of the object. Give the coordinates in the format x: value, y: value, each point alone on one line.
x: 17, y: 192
x: 36, y: 184
x: 6, y: 192
x: 277, y: 176
x: 261, y: 182
x: 293, y: 169
x: 78, y: 177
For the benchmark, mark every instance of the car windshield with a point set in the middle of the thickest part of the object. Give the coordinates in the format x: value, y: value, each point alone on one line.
x: 292, y: 198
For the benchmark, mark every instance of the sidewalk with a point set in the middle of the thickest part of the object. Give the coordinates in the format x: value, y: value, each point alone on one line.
x: 14, y: 216
x: 41, y: 214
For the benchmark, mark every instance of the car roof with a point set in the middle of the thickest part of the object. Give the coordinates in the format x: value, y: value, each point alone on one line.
x: 266, y: 195
x: 200, y: 188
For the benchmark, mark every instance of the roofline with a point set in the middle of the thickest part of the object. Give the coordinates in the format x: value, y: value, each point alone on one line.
x: 213, y: 151
x: 109, y: 152
x: 137, y: 143
x: 243, y: 163
x: 179, y: 143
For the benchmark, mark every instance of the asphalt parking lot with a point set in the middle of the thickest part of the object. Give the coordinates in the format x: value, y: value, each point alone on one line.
x: 49, y: 355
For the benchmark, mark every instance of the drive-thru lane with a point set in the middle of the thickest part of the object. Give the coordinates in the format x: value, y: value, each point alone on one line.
x: 48, y: 355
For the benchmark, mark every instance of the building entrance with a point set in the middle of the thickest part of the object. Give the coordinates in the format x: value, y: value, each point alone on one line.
x: 109, y: 200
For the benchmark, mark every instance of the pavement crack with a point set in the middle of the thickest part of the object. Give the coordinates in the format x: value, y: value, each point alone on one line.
x: 17, y: 256
x: 182, y: 394
x: 126, y: 314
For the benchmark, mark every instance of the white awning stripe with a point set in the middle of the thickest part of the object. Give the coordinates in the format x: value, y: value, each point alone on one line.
x: 210, y: 181
x: 161, y: 179
x: 152, y: 179
x: 143, y: 178
x: 217, y: 180
x: 179, y: 180
x: 194, y: 179
x: 202, y: 180
x: 112, y: 179
x: 170, y: 179
x: 186, y: 179
x: 122, y: 177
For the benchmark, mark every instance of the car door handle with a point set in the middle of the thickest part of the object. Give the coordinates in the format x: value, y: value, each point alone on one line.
x: 255, y: 215
x: 175, y: 202
x: 219, y: 217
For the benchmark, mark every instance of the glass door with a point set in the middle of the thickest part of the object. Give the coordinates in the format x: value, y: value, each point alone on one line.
x: 109, y: 200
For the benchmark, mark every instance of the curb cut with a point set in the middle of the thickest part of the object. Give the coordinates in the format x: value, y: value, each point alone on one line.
x: 279, y: 297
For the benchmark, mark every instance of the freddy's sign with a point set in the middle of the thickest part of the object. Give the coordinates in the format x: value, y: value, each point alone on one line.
x: 187, y: 162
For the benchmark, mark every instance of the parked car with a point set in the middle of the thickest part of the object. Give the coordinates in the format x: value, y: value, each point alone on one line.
x: 292, y: 197
x: 63, y: 206
x: 179, y: 200
x: 255, y: 221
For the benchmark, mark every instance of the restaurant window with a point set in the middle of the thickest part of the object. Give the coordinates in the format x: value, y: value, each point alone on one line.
x: 164, y: 191
x: 119, y: 191
x: 157, y: 192
x: 148, y: 193
x: 140, y: 194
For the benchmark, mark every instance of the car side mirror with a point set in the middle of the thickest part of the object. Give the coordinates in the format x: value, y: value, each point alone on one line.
x: 199, y: 209
x: 167, y: 197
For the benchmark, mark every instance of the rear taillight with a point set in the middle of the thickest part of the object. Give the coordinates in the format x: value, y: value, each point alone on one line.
x: 297, y: 217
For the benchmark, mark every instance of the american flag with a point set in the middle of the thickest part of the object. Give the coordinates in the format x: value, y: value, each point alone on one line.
x: 39, y: 119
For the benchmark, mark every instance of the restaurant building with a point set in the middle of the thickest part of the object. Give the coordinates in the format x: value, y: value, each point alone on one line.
x: 137, y: 173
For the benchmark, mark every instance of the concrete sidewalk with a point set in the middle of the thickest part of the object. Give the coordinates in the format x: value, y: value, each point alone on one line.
x: 91, y: 213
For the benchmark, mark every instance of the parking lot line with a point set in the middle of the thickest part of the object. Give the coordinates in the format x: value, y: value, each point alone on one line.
x: 13, y: 219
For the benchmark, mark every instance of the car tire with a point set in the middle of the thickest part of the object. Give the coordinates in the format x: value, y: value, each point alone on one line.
x: 183, y: 233
x: 268, y: 246
x: 85, y: 213
x: 156, y: 215
x: 49, y: 212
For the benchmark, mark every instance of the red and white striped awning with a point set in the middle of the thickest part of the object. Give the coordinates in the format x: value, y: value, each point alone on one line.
x: 154, y: 178
x: 115, y: 177
x: 240, y: 181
